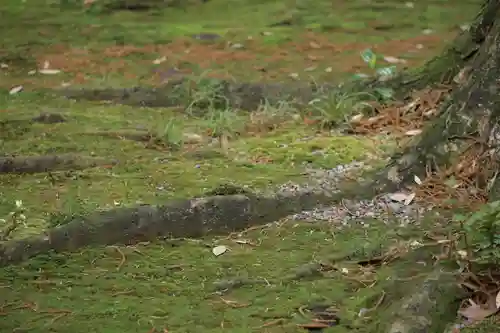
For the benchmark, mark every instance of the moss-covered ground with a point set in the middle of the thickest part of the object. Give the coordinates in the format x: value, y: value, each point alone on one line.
x: 180, y: 286
x: 171, y: 286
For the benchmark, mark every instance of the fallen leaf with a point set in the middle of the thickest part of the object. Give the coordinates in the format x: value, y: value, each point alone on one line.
x: 159, y: 60
x: 409, y: 199
x: 15, y: 90
x: 417, y: 180
x: 237, y: 46
x: 411, y: 105
x: 218, y: 250
x: 356, y: 118
x: 394, y: 60
x: 413, y: 132
x: 192, y: 138
x: 475, y: 312
x: 314, y: 45
x: 401, y: 197
x: 465, y: 27
x: 430, y: 112
x: 415, y: 244
x: 49, y: 71
x: 373, y: 120
x: 463, y: 255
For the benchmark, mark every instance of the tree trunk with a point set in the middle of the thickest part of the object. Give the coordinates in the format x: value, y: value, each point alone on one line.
x: 461, y: 141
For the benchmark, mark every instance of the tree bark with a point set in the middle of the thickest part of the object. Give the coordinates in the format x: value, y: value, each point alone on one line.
x: 465, y: 133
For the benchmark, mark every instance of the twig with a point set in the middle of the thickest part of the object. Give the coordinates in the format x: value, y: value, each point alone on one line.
x: 122, y: 292
x: 234, y: 304
x: 123, y: 258
x: 59, y: 316
x: 411, y: 278
x: 271, y: 323
x: 379, y: 302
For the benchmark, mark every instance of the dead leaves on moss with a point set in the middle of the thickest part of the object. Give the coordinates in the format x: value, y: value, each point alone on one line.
x: 465, y: 183
x: 403, y: 119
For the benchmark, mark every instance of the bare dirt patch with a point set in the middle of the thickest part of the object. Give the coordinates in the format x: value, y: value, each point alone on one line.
x: 312, y: 56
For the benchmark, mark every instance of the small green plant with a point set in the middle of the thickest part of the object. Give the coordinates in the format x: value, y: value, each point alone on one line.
x: 335, y: 107
x: 57, y: 219
x: 171, y: 134
x: 269, y: 116
x: 223, y: 125
x: 382, y: 73
x: 15, y: 218
x: 205, y: 93
x: 482, y: 233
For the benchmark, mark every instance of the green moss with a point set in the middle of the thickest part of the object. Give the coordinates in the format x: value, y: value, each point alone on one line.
x: 173, y: 285
x: 300, y: 147
x: 28, y: 29
x: 487, y: 326
x: 143, y: 174
x: 170, y: 285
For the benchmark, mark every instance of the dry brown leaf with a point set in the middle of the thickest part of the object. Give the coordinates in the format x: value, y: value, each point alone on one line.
x: 218, y: 250
x: 405, y: 198
x: 413, y: 132
x: 356, y: 118
x: 15, y: 90
x: 475, y: 312
x: 48, y: 71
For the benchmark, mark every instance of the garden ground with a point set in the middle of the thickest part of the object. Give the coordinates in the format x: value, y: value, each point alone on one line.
x: 130, y: 155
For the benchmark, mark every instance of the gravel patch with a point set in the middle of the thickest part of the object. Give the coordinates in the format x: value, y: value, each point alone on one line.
x: 388, y: 208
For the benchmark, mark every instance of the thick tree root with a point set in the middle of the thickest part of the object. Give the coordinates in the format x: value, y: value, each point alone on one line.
x: 179, y: 219
x: 37, y: 164
x: 144, y: 5
x: 220, y: 93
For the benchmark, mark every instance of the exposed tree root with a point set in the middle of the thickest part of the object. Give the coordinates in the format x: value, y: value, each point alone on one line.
x: 220, y: 93
x: 179, y: 219
x: 42, y: 118
x: 37, y: 164
x: 145, y: 5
